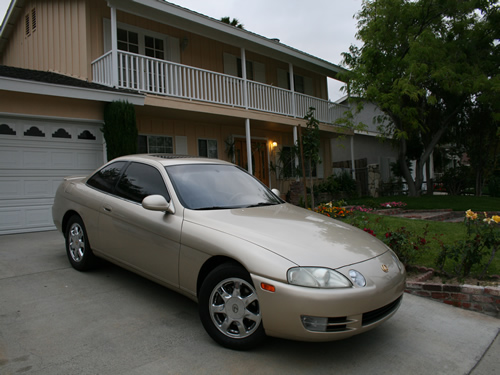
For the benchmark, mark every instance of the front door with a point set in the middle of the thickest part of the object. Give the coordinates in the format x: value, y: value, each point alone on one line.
x: 259, y: 158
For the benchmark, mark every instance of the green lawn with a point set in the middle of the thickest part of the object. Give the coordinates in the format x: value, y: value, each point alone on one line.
x: 435, y: 233
x: 425, y: 202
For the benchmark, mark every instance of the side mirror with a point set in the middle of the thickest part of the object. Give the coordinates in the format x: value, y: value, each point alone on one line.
x: 276, y: 192
x: 157, y: 203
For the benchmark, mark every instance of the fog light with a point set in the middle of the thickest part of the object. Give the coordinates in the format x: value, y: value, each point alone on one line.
x: 357, y: 278
x: 314, y: 323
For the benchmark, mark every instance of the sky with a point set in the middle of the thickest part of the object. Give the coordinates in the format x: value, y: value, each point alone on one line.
x: 322, y: 28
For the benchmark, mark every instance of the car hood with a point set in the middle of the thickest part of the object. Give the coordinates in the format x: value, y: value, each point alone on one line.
x: 304, y: 237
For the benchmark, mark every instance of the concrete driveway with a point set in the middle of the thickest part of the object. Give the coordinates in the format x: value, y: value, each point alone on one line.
x: 55, y: 320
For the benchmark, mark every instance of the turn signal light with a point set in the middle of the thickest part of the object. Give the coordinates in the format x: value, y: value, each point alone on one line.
x: 268, y: 287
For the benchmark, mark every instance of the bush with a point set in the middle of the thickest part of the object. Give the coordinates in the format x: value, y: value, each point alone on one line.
x: 457, y: 180
x: 120, y: 129
x: 477, y: 251
x: 337, y: 184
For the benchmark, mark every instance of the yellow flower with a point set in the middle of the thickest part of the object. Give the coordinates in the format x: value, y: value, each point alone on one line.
x: 496, y: 219
x: 469, y: 214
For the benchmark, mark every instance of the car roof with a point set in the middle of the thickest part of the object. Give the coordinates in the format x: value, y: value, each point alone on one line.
x: 172, y: 159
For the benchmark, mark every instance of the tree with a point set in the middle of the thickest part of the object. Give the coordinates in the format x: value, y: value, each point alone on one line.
x: 120, y: 129
x: 310, y: 147
x: 234, y: 22
x: 424, y: 62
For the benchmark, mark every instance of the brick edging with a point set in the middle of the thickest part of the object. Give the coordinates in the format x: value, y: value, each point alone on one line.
x: 482, y: 299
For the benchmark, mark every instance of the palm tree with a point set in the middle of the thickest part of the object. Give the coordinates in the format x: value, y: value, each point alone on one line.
x: 234, y: 22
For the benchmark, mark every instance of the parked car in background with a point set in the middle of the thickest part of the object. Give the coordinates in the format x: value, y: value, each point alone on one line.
x: 256, y: 265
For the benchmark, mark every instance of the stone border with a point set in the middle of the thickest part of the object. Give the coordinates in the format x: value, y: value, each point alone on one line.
x: 483, y: 299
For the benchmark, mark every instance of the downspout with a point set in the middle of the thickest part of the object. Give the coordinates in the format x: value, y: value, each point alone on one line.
x: 296, y: 142
x: 114, y: 48
x: 292, y: 89
x: 248, y: 137
x: 353, y: 165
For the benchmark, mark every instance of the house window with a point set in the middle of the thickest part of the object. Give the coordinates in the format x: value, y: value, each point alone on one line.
x: 128, y: 41
x: 155, y: 144
x: 298, y: 83
x: 153, y: 47
x: 208, y: 148
x: 249, y: 65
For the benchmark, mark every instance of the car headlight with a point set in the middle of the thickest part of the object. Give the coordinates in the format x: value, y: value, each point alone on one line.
x: 316, y: 277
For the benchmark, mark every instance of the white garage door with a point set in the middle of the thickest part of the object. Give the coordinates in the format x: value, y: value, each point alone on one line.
x: 35, y: 155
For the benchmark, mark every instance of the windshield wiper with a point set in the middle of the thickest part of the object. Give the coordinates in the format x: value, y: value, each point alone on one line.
x: 261, y: 204
x: 211, y: 208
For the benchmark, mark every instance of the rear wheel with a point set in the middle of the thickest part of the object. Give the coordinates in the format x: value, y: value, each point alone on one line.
x: 229, y: 308
x: 77, y: 245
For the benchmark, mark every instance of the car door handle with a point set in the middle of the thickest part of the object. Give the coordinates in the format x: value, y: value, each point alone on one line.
x: 107, y: 208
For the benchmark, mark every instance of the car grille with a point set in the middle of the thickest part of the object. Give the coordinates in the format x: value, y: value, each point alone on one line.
x: 375, y: 315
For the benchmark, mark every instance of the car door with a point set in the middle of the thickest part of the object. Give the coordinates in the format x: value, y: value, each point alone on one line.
x: 147, y: 241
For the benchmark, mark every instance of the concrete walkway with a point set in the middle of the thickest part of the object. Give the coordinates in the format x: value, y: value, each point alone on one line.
x: 55, y: 320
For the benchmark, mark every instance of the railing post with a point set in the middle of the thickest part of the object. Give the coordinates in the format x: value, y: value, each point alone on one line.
x: 114, y: 48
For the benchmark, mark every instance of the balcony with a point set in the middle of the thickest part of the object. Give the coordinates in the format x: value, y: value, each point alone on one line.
x: 160, y: 77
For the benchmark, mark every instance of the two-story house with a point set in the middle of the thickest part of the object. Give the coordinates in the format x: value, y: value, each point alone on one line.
x: 199, y: 87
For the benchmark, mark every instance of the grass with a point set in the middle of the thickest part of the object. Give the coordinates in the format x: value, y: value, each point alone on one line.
x: 426, y: 202
x: 436, y: 233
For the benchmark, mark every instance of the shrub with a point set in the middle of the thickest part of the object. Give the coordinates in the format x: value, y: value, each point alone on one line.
x: 477, y: 250
x: 338, y: 183
x: 120, y: 129
x: 405, y: 244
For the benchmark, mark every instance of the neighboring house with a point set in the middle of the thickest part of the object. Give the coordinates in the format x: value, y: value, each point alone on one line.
x: 199, y: 87
x: 365, y: 147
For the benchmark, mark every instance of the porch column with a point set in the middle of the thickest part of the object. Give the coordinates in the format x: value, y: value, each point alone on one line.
x: 244, y: 76
x: 248, y: 138
x: 292, y: 89
x: 353, y: 165
x: 114, y: 48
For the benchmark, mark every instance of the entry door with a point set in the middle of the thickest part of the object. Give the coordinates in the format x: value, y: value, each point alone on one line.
x: 260, y: 162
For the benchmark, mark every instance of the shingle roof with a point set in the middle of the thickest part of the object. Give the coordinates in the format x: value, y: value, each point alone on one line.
x: 54, y: 78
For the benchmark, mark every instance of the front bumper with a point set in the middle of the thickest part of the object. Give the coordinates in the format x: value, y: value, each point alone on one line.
x: 349, y: 311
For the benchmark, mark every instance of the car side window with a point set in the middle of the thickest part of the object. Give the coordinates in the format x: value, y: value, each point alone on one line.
x: 106, y: 178
x: 140, y: 180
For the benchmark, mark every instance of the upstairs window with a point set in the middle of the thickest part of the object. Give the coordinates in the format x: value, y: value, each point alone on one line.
x: 153, y: 47
x: 128, y: 41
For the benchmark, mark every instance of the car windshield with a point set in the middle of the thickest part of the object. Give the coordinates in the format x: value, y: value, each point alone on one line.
x: 216, y: 186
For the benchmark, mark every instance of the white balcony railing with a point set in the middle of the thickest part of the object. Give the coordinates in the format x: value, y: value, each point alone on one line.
x: 160, y: 77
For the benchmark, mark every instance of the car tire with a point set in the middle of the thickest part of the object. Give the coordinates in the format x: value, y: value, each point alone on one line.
x: 77, y: 245
x: 229, y: 308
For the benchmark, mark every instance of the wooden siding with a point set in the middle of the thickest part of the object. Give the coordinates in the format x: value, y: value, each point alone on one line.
x: 59, y: 42
x: 42, y: 105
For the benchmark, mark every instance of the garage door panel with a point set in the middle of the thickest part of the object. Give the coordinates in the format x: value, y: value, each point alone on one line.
x: 10, y: 157
x: 23, y: 219
x: 35, y: 156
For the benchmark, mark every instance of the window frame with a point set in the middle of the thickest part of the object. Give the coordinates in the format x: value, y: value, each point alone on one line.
x: 148, y: 136
x: 207, y: 140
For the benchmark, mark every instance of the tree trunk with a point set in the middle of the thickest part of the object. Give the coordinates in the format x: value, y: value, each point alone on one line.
x: 430, y: 182
x: 312, y: 185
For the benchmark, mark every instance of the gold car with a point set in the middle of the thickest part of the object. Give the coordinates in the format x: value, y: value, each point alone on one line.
x: 256, y: 265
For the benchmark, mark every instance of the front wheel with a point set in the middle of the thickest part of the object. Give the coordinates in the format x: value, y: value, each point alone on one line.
x: 229, y: 308
x: 77, y: 245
